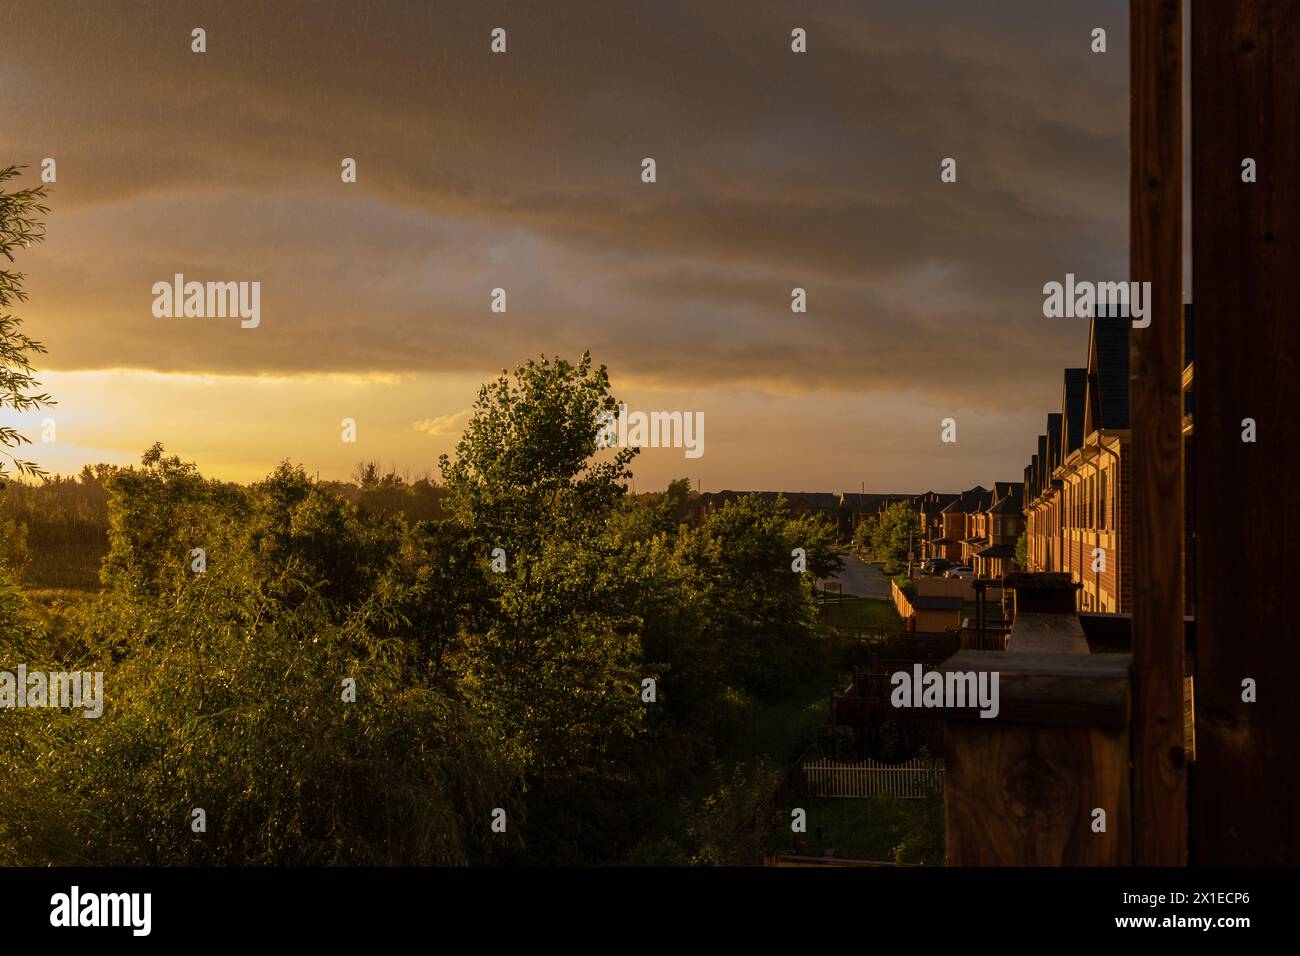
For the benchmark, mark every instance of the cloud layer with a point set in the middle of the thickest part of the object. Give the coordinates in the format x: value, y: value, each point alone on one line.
x: 521, y: 171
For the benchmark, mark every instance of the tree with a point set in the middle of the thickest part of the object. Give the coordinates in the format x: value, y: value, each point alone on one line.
x: 1022, y: 552
x: 894, y: 535
x: 558, y: 664
x: 19, y: 228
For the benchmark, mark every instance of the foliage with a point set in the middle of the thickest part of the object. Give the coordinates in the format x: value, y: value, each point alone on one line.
x: 733, y: 825
x: 230, y: 701
x: 64, y: 522
x: 862, y: 536
x: 919, y: 831
x: 897, y: 531
x: 20, y: 226
x: 517, y: 686
x: 1022, y: 551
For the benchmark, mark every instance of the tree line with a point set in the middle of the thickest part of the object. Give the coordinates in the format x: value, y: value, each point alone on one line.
x: 544, y: 645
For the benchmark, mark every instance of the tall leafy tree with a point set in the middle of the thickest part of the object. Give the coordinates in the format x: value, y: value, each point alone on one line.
x: 20, y: 226
x: 897, y: 531
x: 558, y: 665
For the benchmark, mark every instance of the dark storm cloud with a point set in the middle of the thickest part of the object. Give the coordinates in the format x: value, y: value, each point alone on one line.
x: 522, y: 171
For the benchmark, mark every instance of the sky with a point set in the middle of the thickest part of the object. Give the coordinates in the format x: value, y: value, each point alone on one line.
x: 522, y: 171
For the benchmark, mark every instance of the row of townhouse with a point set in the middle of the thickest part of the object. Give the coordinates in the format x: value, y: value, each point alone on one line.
x: 980, y: 527
x: 1078, y: 483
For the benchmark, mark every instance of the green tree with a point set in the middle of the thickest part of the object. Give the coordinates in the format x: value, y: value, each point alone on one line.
x: 158, y: 514
x: 558, y: 663
x: 862, y: 535
x: 20, y: 226
x: 231, y: 700
x: 1022, y: 552
x: 759, y: 611
x: 897, y: 531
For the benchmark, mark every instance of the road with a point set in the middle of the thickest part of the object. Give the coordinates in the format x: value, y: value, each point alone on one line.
x: 861, y: 579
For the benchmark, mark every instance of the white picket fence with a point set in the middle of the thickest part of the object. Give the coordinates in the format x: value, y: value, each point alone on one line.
x: 915, y: 778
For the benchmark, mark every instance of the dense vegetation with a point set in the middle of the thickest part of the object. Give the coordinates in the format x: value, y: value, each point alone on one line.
x: 890, y: 538
x: 485, y: 679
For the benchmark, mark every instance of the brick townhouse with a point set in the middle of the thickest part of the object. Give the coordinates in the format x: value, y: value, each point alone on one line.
x: 1006, y: 521
x: 1078, y: 509
x: 956, y: 522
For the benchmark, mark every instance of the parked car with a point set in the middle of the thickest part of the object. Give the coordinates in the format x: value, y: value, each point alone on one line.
x: 961, y: 571
x: 937, y: 565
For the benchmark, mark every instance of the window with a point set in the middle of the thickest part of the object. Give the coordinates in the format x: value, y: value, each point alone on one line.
x: 1103, y: 503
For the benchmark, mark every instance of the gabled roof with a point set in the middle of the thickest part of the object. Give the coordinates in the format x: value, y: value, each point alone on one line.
x: 1003, y: 488
x: 871, y: 501
x: 1073, y: 397
x: 1108, y: 347
x: 971, y: 501
x: 933, y: 501
x: 1007, y: 505
x: 1053, y: 441
x: 817, y: 499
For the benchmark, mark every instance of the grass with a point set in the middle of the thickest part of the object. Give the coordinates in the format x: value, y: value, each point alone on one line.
x: 861, y: 612
x: 781, y: 731
x: 882, y: 829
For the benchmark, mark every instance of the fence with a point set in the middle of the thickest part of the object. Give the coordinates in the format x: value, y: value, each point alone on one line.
x: 902, y: 604
x: 913, y: 779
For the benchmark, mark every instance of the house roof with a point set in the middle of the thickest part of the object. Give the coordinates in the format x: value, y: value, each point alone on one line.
x: 1007, y: 505
x: 1107, y: 404
x: 871, y: 501
x: 1053, y: 459
x: 937, y: 501
x: 816, y: 499
x: 970, y: 501
x: 1072, y: 400
x: 997, y: 551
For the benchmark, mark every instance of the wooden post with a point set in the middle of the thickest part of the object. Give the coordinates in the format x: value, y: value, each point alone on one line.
x: 1246, y: 255
x: 1023, y: 788
x: 1155, y: 256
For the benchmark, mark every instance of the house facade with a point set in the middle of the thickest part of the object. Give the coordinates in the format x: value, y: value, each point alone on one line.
x: 1078, y: 509
x: 1005, y: 520
x: 958, y: 522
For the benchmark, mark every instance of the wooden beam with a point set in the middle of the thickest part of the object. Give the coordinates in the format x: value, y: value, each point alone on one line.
x: 1246, y: 253
x: 1155, y: 256
x: 1046, y: 689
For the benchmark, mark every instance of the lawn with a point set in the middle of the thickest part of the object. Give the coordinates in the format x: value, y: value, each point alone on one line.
x: 861, y: 612
x: 880, y: 829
